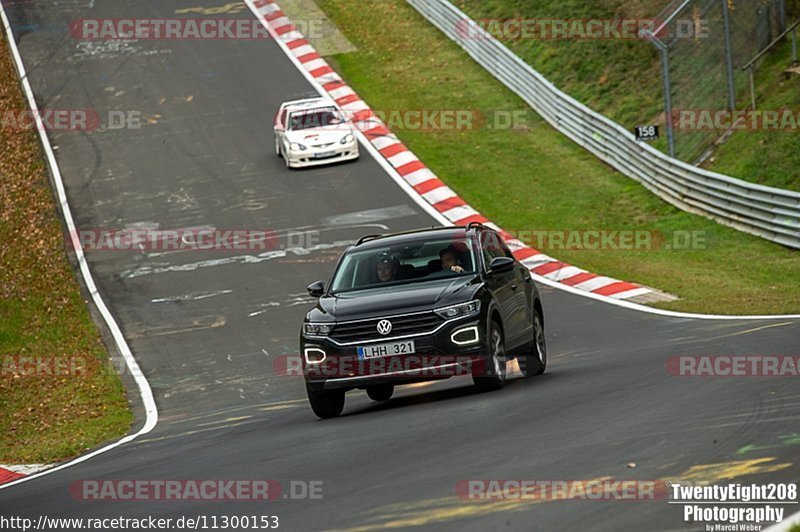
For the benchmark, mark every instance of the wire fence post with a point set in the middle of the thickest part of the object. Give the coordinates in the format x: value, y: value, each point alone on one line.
x: 794, y: 46
x: 667, y: 97
x: 726, y: 19
x: 782, y: 14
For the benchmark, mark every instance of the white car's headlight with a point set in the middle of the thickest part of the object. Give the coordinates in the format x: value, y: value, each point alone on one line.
x: 317, y: 329
x: 347, y: 139
x: 463, y: 310
x: 297, y: 146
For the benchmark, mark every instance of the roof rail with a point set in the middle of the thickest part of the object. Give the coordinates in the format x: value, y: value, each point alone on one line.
x: 365, y: 238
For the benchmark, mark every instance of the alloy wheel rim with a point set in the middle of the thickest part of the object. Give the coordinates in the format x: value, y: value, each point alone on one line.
x: 539, y: 339
x: 497, y: 355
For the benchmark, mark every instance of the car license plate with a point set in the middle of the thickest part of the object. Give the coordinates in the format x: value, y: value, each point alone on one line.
x: 323, y: 154
x: 386, y: 350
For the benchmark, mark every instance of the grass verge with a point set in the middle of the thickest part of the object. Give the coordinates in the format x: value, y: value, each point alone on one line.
x: 57, y: 398
x: 534, y: 178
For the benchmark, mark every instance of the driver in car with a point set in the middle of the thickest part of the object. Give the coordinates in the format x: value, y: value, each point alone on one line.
x: 386, y: 268
x: 451, y: 260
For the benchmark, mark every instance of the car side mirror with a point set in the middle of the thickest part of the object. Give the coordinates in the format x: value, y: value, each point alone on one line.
x: 501, y: 264
x: 316, y: 289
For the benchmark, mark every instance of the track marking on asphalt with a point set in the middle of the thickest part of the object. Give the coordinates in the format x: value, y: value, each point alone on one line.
x: 711, y: 473
x: 145, y: 392
x: 226, y: 420
x: 279, y: 407
x: 190, y: 433
x: 229, y: 8
x: 786, y: 440
x: 196, y: 296
x: 240, y: 259
x: 196, y: 324
x: 756, y: 329
x: 176, y: 420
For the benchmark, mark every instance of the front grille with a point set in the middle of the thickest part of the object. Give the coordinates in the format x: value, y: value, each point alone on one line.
x: 367, y: 330
x: 322, y: 145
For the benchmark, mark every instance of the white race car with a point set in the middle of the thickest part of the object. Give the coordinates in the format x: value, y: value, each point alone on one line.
x: 312, y: 132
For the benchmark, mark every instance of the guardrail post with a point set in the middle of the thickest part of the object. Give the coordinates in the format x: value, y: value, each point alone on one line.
x: 726, y: 19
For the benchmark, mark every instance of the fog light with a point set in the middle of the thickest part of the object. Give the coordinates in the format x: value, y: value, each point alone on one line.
x: 314, y: 355
x: 467, y: 335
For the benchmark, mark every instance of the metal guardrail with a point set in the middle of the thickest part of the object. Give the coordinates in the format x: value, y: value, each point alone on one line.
x: 771, y: 213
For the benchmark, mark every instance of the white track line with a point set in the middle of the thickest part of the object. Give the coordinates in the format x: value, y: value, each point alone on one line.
x: 145, y: 392
x: 446, y: 220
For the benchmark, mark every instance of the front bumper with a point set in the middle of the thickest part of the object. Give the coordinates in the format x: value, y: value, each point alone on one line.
x: 320, y: 156
x: 436, y: 357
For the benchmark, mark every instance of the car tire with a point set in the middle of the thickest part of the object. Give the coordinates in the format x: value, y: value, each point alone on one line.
x: 493, y: 376
x: 278, y: 147
x: 535, y: 362
x: 380, y: 392
x: 286, y: 160
x: 326, y: 404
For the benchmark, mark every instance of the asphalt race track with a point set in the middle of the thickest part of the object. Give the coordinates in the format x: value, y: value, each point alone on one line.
x: 207, y: 327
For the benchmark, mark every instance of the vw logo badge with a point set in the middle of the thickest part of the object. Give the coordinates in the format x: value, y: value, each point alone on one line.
x: 384, y: 327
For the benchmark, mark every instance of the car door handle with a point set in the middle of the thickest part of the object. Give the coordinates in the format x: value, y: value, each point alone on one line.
x: 513, y: 286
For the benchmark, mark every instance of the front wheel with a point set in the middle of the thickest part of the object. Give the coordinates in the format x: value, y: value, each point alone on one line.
x: 277, y: 147
x: 493, y: 376
x: 326, y: 404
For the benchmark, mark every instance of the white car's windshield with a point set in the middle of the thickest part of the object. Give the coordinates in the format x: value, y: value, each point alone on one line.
x: 328, y: 116
x: 405, y: 263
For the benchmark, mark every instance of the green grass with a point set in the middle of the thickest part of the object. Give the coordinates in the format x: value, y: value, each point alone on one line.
x: 622, y: 80
x: 537, y: 179
x: 43, y: 317
x: 766, y: 157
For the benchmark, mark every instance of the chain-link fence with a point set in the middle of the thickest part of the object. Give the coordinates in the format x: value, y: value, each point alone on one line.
x: 704, y: 44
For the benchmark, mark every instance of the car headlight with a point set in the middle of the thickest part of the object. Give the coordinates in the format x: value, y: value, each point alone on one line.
x: 297, y: 146
x: 463, y: 310
x: 317, y: 329
x: 347, y: 139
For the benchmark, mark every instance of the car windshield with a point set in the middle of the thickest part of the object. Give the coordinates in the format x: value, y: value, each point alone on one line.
x: 411, y: 262
x: 328, y: 116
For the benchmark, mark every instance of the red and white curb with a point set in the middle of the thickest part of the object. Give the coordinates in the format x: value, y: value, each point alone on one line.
x: 10, y: 473
x: 423, y: 181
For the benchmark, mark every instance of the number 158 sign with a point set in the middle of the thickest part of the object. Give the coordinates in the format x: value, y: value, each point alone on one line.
x: 646, y: 133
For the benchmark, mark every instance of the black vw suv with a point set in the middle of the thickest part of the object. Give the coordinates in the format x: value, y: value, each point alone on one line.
x: 420, y: 306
